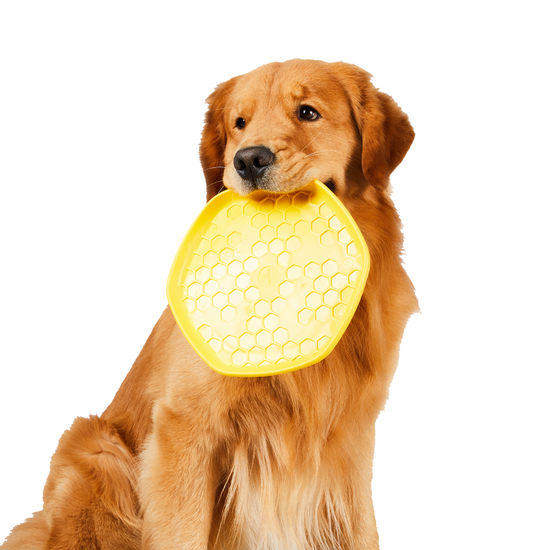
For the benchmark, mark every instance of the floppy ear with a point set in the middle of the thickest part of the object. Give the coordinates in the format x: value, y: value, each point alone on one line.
x: 385, y: 129
x: 381, y: 156
x: 214, y: 138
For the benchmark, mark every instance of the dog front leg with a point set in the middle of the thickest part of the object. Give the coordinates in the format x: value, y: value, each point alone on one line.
x: 365, y: 533
x: 177, y: 485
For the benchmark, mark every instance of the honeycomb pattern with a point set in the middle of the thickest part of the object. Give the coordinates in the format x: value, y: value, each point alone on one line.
x: 271, y: 279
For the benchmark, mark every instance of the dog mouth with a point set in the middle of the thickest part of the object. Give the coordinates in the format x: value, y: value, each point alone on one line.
x: 329, y: 184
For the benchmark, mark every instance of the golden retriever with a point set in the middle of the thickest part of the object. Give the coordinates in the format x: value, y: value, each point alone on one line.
x: 187, y: 458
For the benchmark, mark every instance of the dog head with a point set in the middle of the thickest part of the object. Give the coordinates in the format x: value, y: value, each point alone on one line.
x: 284, y: 124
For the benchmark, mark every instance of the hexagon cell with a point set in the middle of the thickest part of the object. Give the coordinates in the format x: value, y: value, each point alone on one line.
x: 261, y: 308
x: 275, y: 217
x: 243, y: 280
x: 259, y: 249
x: 311, y: 270
x: 258, y: 220
x: 322, y: 314
x: 252, y: 294
x: 235, y: 268
x: 189, y: 305
x: 226, y: 255
x: 354, y: 277
x: 293, y: 243
x: 325, y: 210
x: 210, y: 258
x: 219, y: 300
x: 218, y: 271
x: 194, y: 290
x: 278, y: 305
x: 304, y: 316
x: 267, y: 233
x: 292, y: 215
x: 307, y: 346
x: 283, y: 202
x: 256, y: 355
x: 346, y: 294
x: 189, y: 278
x: 301, y: 227
x: 339, y: 281
x: 319, y: 225
x: 328, y: 238
x: 228, y: 313
x: 321, y: 283
x: 313, y: 300
x: 276, y: 246
x: 267, y: 205
x: 294, y: 272
x: 331, y: 297
x: 254, y: 324
x: 271, y: 321
x: 273, y: 351
x: 246, y: 340
x: 335, y: 223
x: 344, y: 236
x: 233, y: 212
x: 263, y: 338
x: 286, y: 288
x: 203, y: 303
x: 205, y: 331
x: 235, y: 239
x: 239, y: 357
x: 300, y: 199
x: 218, y: 242
x: 280, y: 335
x: 284, y: 230
x: 211, y: 287
x: 322, y: 342
x: 339, y: 311
x: 215, y: 344
x: 202, y: 274
x: 236, y: 297
x: 329, y: 267
x: 290, y: 350
x: 352, y: 249
x: 229, y: 343
x: 250, y: 208
x: 283, y: 259
x: 251, y: 264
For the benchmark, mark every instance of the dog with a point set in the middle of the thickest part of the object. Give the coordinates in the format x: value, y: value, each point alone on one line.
x: 187, y: 458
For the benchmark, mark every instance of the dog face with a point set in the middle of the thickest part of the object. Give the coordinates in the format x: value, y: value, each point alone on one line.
x: 284, y: 124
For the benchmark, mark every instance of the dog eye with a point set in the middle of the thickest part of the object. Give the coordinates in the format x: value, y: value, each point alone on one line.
x: 305, y: 112
x: 241, y: 123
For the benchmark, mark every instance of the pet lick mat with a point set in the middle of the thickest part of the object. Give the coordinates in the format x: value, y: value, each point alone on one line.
x: 268, y: 283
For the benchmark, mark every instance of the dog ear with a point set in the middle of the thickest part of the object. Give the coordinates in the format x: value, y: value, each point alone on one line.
x: 214, y: 138
x: 381, y: 156
x: 385, y: 129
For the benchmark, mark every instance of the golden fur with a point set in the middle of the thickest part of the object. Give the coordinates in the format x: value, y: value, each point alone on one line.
x: 186, y: 458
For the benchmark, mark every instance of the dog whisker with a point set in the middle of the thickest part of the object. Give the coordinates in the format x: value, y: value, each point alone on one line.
x: 213, y: 168
x: 322, y: 151
x: 214, y: 183
x: 223, y: 108
x: 312, y: 140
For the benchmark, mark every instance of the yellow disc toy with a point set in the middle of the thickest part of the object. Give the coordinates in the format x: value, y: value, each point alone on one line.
x: 268, y: 283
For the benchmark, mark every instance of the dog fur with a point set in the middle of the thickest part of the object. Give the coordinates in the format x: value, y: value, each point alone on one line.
x: 186, y: 458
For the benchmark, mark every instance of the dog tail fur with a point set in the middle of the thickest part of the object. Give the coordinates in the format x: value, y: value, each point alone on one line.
x: 31, y: 535
x: 90, y: 493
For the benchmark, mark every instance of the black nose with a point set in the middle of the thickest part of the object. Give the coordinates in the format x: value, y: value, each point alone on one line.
x: 252, y: 162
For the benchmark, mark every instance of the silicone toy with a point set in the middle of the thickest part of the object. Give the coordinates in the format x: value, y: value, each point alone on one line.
x: 268, y: 283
